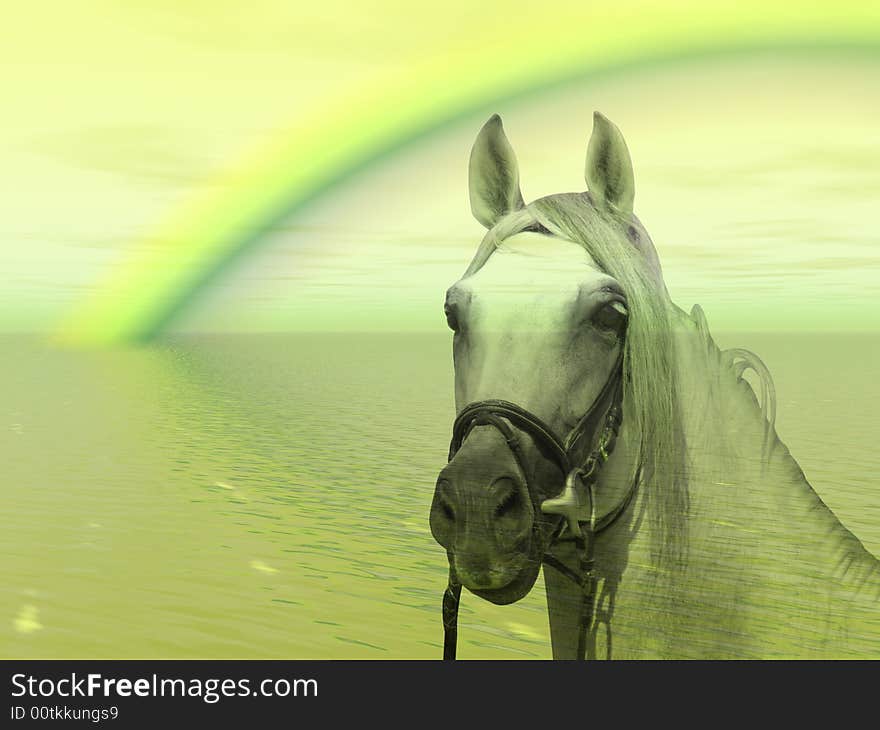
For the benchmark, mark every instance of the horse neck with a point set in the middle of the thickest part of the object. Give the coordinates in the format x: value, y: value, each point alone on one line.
x: 752, y: 512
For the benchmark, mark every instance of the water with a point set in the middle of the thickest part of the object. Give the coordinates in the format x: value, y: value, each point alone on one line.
x: 267, y: 496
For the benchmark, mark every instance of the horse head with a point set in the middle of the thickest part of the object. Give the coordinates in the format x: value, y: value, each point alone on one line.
x: 539, y: 323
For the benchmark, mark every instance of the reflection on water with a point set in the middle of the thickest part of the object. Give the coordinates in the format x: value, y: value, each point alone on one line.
x: 267, y: 496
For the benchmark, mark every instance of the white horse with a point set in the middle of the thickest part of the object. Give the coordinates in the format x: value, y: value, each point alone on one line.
x: 602, y: 433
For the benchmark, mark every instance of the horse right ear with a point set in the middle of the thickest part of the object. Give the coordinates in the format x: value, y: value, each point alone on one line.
x: 494, y: 175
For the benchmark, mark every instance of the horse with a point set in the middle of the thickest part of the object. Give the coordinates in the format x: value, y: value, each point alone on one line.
x: 603, y: 436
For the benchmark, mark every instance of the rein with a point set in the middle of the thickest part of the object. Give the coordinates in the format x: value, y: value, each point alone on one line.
x: 575, y: 499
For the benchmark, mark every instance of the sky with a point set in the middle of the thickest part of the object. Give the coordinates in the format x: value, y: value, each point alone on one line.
x: 755, y: 173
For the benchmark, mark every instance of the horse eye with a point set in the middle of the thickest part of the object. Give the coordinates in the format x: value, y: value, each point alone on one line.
x: 611, y: 317
x: 451, y: 317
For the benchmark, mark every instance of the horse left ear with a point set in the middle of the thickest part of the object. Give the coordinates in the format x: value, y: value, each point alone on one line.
x: 609, y: 171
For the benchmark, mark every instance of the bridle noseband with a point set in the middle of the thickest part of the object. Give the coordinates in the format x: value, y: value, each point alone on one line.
x: 575, y: 499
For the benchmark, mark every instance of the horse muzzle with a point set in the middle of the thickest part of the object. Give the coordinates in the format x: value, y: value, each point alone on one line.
x: 484, y: 516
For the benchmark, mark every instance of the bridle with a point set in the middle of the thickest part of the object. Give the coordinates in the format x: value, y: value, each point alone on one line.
x: 575, y: 499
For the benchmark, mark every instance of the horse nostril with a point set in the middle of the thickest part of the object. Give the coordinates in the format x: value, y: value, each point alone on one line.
x: 447, y: 510
x: 508, y: 504
x: 442, y: 504
x: 507, y: 496
x: 442, y: 521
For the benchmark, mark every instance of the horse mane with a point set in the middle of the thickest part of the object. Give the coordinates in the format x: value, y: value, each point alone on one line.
x: 624, y: 250
x: 737, y: 361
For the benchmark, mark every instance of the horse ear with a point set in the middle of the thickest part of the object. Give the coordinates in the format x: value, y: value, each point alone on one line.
x: 494, y: 175
x: 609, y: 171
